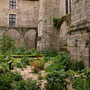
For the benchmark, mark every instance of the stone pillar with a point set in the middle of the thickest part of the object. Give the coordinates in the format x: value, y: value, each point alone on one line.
x: 79, y: 37
x: 46, y: 33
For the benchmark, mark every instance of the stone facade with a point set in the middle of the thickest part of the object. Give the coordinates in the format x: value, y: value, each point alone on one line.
x: 40, y: 13
x: 36, y: 13
x: 79, y: 37
x: 27, y: 13
x: 50, y: 36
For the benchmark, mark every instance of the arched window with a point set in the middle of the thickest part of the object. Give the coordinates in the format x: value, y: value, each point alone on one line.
x: 12, y: 4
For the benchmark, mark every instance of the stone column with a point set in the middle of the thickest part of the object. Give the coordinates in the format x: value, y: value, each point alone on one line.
x: 79, y: 37
x: 46, y: 32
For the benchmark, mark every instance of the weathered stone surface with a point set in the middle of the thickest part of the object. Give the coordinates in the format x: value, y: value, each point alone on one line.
x: 27, y: 14
x: 79, y: 47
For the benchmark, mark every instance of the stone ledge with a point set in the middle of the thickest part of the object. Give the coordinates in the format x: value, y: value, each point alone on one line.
x: 23, y: 28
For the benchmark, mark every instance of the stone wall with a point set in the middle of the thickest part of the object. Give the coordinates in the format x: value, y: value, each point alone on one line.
x: 27, y: 13
x: 28, y: 40
x: 79, y: 37
x: 64, y: 27
x: 50, y: 37
x: 47, y: 33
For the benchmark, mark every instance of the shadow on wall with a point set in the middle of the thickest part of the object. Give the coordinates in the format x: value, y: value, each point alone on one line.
x: 14, y: 34
x: 29, y: 39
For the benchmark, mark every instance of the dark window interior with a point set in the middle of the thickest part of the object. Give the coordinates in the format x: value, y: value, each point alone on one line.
x: 70, y: 6
x: 12, y: 4
x: 66, y: 6
x: 12, y: 19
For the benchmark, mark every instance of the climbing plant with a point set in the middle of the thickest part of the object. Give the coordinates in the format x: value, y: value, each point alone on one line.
x: 59, y: 21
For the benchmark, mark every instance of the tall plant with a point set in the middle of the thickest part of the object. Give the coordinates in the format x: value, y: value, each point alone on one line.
x: 7, y: 45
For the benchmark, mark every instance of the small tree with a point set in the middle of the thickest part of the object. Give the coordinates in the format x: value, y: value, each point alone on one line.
x: 7, y: 45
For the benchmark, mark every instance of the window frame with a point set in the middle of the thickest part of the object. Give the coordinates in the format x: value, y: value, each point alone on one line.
x: 12, y: 20
x: 12, y: 4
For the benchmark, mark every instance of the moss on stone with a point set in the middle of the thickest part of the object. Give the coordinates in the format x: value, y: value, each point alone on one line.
x: 59, y: 21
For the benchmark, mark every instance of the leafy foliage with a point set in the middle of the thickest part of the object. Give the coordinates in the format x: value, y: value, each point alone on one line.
x: 25, y: 60
x: 21, y: 85
x: 21, y: 65
x: 56, y: 81
x: 50, y: 53
x: 78, y: 83
x: 78, y: 65
x: 16, y: 76
x: 59, y: 21
x: 7, y: 44
x: 82, y: 83
x: 33, y: 85
x: 62, y: 61
x: 5, y: 82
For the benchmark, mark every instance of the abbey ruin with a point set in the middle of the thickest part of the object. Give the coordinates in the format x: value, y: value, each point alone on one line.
x: 30, y: 23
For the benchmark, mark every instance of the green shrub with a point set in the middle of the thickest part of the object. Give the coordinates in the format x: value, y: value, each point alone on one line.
x: 19, y: 51
x: 1, y: 70
x: 25, y: 60
x: 56, y: 81
x: 3, y: 60
x: 21, y: 85
x: 5, y: 82
x: 88, y: 79
x: 19, y: 65
x: 46, y: 58
x: 33, y: 85
x: 42, y: 62
x: 78, y: 83
x: 32, y: 52
x: 50, y: 53
x: 29, y: 85
x: 78, y: 65
x: 4, y: 68
x: 16, y: 76
x: 82, y: 82
x: 7, y: 45
x: 64, y: 59
x: 55, y: 67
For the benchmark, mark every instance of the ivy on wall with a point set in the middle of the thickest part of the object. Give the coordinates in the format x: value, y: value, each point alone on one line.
x: 59, y: 21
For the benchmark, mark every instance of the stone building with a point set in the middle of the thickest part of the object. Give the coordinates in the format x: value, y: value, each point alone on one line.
x: 50, y: 37
x: 79, y: 37
x: 34, y: 18
x: 19, y: 13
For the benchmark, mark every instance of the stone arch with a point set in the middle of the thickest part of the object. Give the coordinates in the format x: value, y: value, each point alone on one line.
x: 63, y: 25
x: 58, y: 22
x: 15, y: 35
x: 19, y: 33
x: 63, y: 34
